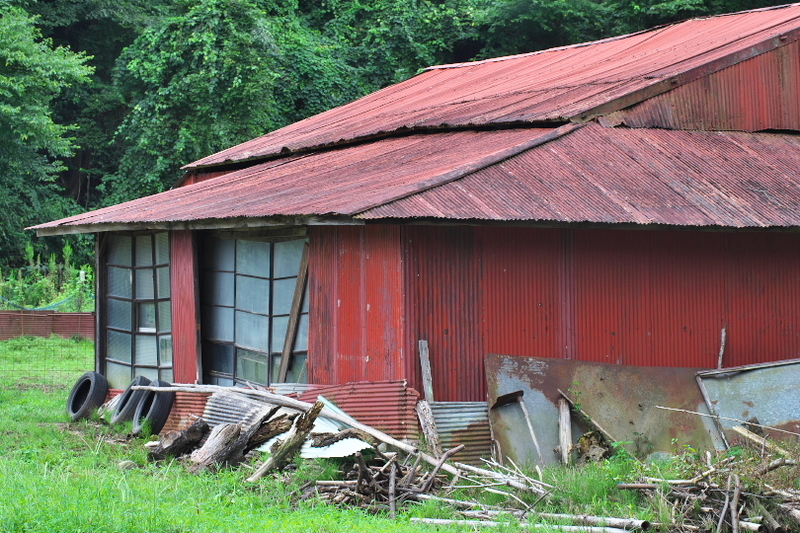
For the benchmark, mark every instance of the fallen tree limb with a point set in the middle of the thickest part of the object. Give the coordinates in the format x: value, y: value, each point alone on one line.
x: 489, y: 523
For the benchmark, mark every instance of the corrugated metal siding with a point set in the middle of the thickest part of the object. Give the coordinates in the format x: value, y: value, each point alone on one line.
x: 757, y: 94
x: 184, y: 307
x: 356, y: 304
x: 386, y: 405
x: 464, y: 423
x: 650, y: 298
x: 443, y: 303
x: 547, y: 85
x: 45, y: 323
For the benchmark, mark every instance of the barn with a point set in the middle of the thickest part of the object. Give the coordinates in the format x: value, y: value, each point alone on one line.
x: 620, y: 201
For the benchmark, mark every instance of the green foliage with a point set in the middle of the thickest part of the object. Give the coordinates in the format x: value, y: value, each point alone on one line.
x: 40, y: 285
x: 32, y: 74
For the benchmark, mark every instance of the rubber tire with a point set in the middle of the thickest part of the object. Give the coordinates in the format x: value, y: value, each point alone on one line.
x: 88, y: 394
x: 153, y: 408
x: 129, y: 400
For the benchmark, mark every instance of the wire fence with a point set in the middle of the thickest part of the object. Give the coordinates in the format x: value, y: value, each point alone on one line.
x: 39, y: 349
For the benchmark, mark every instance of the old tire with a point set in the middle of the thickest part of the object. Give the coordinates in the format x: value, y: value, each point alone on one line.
x: 129, y: 400
x: 88, y: 394
x: 153, y: 409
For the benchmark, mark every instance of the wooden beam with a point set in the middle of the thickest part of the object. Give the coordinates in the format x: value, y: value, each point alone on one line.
x: 294, y: 316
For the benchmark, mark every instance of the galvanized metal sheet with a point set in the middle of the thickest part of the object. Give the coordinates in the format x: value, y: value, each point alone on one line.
x: 765, y: 394
x: 464, y: 423
x: 620, y: 398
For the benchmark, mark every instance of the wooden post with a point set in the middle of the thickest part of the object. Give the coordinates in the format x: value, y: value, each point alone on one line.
x: 427, y: 375
x: 564, y: 430
x: 294, y: 316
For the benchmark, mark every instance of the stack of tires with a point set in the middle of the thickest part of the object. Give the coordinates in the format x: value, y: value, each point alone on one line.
x: 147, y: 409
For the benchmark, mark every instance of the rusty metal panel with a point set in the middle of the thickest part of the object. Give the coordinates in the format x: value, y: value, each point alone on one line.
x: 442, y: 277
x: 464, y: 423
x: 640, y: 176
x: 356, y: 304
x: 185, y: 410
x: 620, y: 398
x: 757, y: 94
x: 385, y: 405
x: 522, y: 285
x: 765, y: 394
x: 183, y: 294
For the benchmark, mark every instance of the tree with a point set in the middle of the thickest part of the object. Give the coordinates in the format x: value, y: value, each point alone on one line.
x: 217, y: 74
x: 32, y: 75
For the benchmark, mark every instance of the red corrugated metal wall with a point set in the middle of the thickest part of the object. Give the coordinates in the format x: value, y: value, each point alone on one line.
x: 356, y: 307
x: 184, y: 307
x: 757, y: 94
x: 653, y: 298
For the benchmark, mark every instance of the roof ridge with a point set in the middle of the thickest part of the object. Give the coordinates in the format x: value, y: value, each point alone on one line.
x: 474, y: 166
x: 600, y: 41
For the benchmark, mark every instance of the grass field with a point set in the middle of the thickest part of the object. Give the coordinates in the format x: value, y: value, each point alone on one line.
x: 63, y: 476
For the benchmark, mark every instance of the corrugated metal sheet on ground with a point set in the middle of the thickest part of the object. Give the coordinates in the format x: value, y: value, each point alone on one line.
x: 45, y: 323
x: 385, y: 405
x: 464, y: 423
x: 547, y: 85
x: 185, y: 410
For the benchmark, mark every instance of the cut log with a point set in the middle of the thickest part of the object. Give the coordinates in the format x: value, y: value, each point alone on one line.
x: 428, y: 425
x: 217, y: 447
x: 177, y: 443
x: 267, y: 430
x: 297, y: 435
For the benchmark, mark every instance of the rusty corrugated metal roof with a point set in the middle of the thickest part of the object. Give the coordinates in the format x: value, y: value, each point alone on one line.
x: 640, y: 176
x: 552, y: 85
x: 588, y: 174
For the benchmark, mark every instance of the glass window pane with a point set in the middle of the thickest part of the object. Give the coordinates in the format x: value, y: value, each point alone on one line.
x: 252, y: 331
x: 146, y: 350
x: 301, y: 341
x: 119, y: 250
x: 298, y: 372
x: 218, y: 357
x: 149, y: 373
x: 251, y: 366
x: 218, y: 323
x: 144, y: 284
x: 218, y: 288
x: 287, y: 258
x: 165, y: 350
x: 222, y: 382
x: 219, y: 254
x: 283, y: 295
x: 276, y: 368
x: 119, y: 346
x: 144, y: 250
x: 146, y: 317
x: 164, y: 316
x: 118, y: 376
x: 279, y: 326
x: 252, y: 258
x: 120, y: 314
x: 120, y: 282
x: 162, y: 248
x: 252, y: 294
x: 305, y: 300
x: 165, y: 374
x: 162, y: 275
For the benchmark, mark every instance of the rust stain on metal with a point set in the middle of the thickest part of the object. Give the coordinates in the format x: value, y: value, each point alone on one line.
x: 464, y: 423
x: 620, y: 398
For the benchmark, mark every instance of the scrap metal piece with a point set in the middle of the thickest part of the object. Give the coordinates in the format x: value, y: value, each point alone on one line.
x: 619, y: 397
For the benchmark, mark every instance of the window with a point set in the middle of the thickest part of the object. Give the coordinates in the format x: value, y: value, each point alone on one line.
x: 138, y: 316
x: 247, y: 291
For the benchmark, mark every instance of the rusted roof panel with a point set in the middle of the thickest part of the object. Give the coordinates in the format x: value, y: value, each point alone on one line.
x: 550, y: 85
x: 344, y: 181
x: 640, y: 176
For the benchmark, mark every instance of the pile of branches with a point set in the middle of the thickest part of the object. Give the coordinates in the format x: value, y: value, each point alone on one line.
x: 737, y: 493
